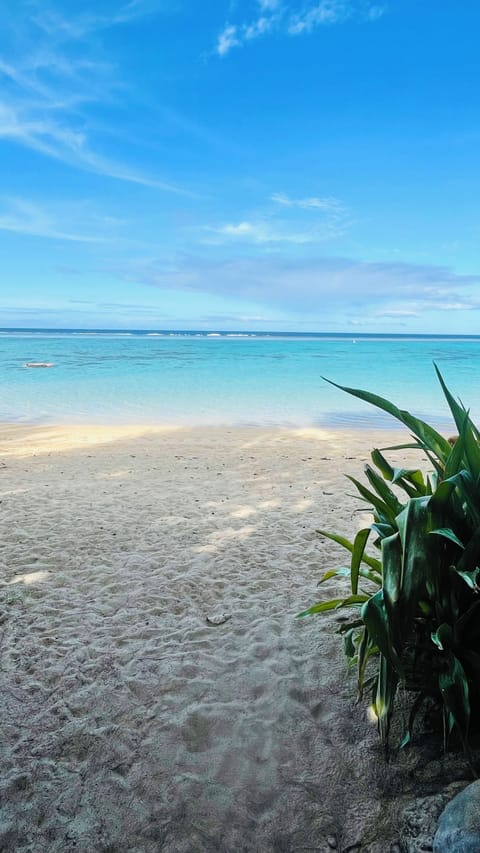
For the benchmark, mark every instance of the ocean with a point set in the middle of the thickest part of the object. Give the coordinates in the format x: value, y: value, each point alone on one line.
x: 229, y: 378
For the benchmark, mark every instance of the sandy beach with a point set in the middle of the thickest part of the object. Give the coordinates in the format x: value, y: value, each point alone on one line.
x: 131, y: 723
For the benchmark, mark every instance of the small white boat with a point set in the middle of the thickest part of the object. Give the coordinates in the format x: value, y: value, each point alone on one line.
x: 38, y: 364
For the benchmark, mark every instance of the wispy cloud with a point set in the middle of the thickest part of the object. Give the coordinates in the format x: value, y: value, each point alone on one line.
x: 227, y: 39
x: 47, y: 88
x: 394, y: 313
x: 87, y: 315
x: 256, y: 232
x: 291, y: 19
x: 71, y: 146
x: 321, y: 284
x: 277, y: 232
x: 109, y: 306
x: 328, y: 204
x: 77, y: 26
x: 298, y: 221
x: 326, y: 12
x: 22, y: 216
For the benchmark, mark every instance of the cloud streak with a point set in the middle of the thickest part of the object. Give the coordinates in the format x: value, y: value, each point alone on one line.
x: 71, y: 146
x: 46, y: 89
x: 327, y: 204
x: 21, y: 216
x: 52, y: 22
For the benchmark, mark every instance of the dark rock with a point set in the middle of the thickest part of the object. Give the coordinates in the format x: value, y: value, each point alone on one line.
x: 459, y: 825
x: 418, y: 818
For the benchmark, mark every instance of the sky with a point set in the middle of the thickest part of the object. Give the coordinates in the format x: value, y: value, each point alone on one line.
x: 283, y: 165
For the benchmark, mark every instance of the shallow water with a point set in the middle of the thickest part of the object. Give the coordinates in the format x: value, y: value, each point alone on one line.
x: 228, y: 378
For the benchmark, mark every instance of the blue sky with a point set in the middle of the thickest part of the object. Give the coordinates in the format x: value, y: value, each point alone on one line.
x: 242, y: 164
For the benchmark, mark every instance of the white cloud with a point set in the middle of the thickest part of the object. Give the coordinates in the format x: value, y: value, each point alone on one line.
x: 278, y: 231
x: 243, y: 229
x: 258, y: 28
x: 393, y: 313
x: 235, y: 36
x: 327, y: 203
x: 227, y: 39
x: 326, y: 12
x: 293, y: 18
x: 258, y: 232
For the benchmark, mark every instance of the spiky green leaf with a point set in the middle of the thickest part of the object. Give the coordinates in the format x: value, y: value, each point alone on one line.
x: 358, y: 551
x: 447, y: 533
x: 345, y: 543
x: 375, y: 615
x: 333, y: 604
x: 429, y: 437
x: 455, y: 694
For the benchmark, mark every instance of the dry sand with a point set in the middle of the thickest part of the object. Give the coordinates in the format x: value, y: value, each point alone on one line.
x: 128, y: 723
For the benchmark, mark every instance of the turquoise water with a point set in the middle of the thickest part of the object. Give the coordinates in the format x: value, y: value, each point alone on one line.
x: 195, y: 378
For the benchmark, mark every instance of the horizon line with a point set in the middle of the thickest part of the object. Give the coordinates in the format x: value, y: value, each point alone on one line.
x: 245, y: 332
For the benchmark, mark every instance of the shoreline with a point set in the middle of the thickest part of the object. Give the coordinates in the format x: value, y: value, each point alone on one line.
x: 131, y: 722
x: 69, y: 436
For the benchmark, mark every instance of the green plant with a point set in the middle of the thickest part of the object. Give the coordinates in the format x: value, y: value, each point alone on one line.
x: 417, y: 603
